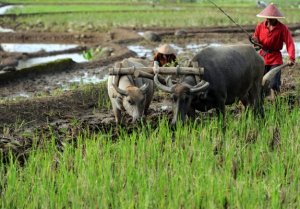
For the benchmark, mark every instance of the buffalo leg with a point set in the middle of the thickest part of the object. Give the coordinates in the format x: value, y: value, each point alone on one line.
x: 118, y: 115
x: 256, y: 100
x: 245, y: 100
x: 191, y: 113
x: 221, y: 114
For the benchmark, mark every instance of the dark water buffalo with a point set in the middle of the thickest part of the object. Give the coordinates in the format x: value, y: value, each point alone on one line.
x: 231, y: 73
x: 129, y: 94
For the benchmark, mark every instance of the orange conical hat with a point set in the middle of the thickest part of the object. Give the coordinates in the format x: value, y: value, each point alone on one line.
x: 270, y: 12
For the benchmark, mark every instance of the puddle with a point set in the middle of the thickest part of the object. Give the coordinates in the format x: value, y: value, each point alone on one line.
x: 297, y: 47
x: 45, y: 84
x: 141, y: 33
x: 19, y: 95
x: 5, y: 30
x: 141, y: 51
x: 4, y: 9
x: 86, y: 79
x: 31, y: 48
x: 40, y: 60
x: 90, y: 76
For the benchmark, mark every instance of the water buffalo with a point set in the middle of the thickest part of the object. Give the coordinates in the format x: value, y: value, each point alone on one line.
x: 231, y: 73
x: 133, y: 95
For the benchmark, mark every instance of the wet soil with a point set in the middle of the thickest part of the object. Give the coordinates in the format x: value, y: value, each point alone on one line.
x: 70, y: 112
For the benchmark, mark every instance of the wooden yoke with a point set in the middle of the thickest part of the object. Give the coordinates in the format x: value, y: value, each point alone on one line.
x: 146, y: 71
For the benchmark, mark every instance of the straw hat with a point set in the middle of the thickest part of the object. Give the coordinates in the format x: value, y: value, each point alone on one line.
x: 270, y: 12
x: 166, y: 49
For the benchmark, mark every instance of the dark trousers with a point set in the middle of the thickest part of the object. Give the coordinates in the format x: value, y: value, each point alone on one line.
x: 276, y: 81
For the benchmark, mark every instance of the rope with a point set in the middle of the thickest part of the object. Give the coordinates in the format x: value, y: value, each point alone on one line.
x: 249, y: 35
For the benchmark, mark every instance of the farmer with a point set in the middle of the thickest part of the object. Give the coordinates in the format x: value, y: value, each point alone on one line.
x: 165, y: 56
x: 271, y: 34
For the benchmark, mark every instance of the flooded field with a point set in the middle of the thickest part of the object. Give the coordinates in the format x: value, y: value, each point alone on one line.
x: 60, y: 145
x: 43, y: 53
x: 41, y: 68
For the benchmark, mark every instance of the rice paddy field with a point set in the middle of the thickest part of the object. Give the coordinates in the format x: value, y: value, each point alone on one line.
x: 251, y: 163
x: 104, y: 15
x: 254, y: 164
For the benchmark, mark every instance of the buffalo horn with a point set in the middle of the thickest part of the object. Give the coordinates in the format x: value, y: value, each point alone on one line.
x: 120, y: 91
x: 202, y: 86
x: 169, y: 81
x: 144, y: 87
x: 161, y: 86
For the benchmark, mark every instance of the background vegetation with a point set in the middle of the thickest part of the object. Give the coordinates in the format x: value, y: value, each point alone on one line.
x: 103, y: 15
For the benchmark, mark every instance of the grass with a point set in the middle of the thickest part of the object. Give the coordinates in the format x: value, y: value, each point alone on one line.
x: 254, y: 165
x: 108, y: 15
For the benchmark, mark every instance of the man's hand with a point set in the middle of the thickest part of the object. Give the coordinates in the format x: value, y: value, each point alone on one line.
x: 254, y: 39
x: 291, y: 63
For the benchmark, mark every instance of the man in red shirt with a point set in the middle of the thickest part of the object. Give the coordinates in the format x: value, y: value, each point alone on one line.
x: 271, y: 34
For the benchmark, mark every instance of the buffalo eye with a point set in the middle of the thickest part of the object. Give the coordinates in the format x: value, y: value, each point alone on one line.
x: 131, y: 102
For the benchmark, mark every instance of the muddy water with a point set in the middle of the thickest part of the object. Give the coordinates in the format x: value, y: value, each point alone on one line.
x: 49, y: 84
x: 297, y: 47
x: 39, y: 60
x: 5, y: 30
x: 192, y: 48
x: 35, y: 47
x: 141, y: 51
x: 4, y: 9
x: 147, y: 52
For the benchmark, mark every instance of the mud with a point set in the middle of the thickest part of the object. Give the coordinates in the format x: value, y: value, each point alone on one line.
x: 42, y: 101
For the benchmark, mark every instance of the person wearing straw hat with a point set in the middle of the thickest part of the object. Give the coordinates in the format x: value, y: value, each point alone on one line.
x: 271, y: 34
x: 165, y: 55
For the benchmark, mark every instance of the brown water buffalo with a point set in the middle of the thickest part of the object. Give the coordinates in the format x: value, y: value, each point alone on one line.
x: 129, y: 94
x: 231, y: 73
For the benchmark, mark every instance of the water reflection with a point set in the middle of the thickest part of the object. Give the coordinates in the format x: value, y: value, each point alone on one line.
x: 144, y: 51
x: 5, y: 9
x: 141, y: 51
x: 86, y: 79
x: 5, y: 30
x: 40, y: 60
x: 297, y: 47
x: 31, y: 48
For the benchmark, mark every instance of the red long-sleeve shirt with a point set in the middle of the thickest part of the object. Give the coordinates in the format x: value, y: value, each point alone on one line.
x: 273, y: 40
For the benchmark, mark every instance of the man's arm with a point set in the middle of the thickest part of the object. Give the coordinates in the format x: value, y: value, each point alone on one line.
x: 290, y: 46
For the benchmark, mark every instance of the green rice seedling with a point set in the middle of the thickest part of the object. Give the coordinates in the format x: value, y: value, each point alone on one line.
x: 253, y: 164
x: 200, y: 14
